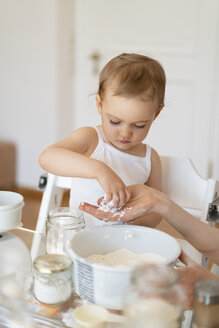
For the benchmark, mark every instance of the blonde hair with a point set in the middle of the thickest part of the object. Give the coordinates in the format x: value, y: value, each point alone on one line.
x: 133, y: 75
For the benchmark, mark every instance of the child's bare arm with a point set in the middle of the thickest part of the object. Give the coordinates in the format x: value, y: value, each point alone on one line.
x: 70, y: 158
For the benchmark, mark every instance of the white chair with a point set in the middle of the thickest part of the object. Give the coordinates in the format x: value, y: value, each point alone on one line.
x: 186, y: 187
x: 54, y: 187
x: 183, y: 184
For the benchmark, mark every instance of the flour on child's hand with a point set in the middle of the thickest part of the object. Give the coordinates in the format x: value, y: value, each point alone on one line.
x: 123, y: 212
x: 110, y: 207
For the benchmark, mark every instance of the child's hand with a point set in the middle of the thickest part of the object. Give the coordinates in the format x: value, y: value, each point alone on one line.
x: 115, y: 189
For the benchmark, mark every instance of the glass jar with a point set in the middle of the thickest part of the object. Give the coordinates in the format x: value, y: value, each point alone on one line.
x: 206, y: 306
x: 13, y: 309
x: 62, y: 223
x: 52, y: 282
x: 154, y: 298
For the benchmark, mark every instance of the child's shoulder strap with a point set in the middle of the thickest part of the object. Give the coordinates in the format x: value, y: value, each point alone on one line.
x: 148, y: 158
x: 100, y: 137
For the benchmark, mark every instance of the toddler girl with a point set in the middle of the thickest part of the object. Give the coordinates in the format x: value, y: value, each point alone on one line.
x: 104, y: 160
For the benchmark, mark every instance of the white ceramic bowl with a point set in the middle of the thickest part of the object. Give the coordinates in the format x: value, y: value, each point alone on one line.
x: 10, y: 200
x: 11, y: 204
x: 105, y: 285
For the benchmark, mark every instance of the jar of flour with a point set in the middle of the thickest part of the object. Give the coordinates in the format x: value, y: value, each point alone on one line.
x: 52, y: 282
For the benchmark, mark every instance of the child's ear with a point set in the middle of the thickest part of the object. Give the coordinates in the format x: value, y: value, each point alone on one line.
x: 158, y: 111
x: 98, y: 103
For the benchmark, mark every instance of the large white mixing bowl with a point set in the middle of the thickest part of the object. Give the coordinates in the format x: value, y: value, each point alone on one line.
x: 105, y: 285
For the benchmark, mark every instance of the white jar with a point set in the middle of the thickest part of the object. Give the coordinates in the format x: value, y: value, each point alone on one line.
x: 62, y: 223
x: 52, y: 278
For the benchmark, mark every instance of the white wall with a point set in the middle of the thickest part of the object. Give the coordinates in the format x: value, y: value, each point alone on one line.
x: 183, y: 36
x: 37, y: 56
x: 35, y: 78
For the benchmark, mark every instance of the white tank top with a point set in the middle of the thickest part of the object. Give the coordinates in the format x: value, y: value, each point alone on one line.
x: 130, y: 168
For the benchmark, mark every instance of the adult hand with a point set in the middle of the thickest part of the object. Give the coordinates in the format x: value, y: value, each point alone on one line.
x: 142, y: 200
x: 189, y: 275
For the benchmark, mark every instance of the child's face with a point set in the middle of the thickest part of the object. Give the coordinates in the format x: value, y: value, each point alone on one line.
x: 125, y: 121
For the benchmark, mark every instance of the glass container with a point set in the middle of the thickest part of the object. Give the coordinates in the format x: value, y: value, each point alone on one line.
x: 61, y: 225
x: 206, y: 306
x: 13, y: 309
x: 52, y: 282
x: 154, y: 298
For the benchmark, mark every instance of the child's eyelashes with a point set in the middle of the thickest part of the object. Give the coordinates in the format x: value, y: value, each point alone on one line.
x: 140, y: 126
x: 113, y: 122
x: 136, y: 126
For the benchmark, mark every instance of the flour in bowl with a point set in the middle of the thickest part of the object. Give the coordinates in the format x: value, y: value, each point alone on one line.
x: 125, y: 258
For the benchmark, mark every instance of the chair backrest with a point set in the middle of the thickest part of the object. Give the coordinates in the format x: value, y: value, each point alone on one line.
x: 183, y: 184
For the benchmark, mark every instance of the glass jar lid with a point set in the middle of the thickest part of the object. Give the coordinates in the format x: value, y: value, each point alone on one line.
x: 207, y: 292
x: 51, y: 263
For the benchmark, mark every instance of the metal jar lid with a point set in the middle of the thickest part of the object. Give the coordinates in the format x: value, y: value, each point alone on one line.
x: 51, y: 263
x: 207, y: 292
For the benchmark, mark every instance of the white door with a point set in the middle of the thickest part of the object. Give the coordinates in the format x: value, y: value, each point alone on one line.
x: 182, y: 35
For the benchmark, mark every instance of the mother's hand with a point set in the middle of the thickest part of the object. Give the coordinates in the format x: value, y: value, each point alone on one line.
x: 189, y: 275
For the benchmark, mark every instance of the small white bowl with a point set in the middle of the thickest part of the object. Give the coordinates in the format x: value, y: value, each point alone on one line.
x: 11, y: 204
x: 105, y: 285
x: 10, y: 200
